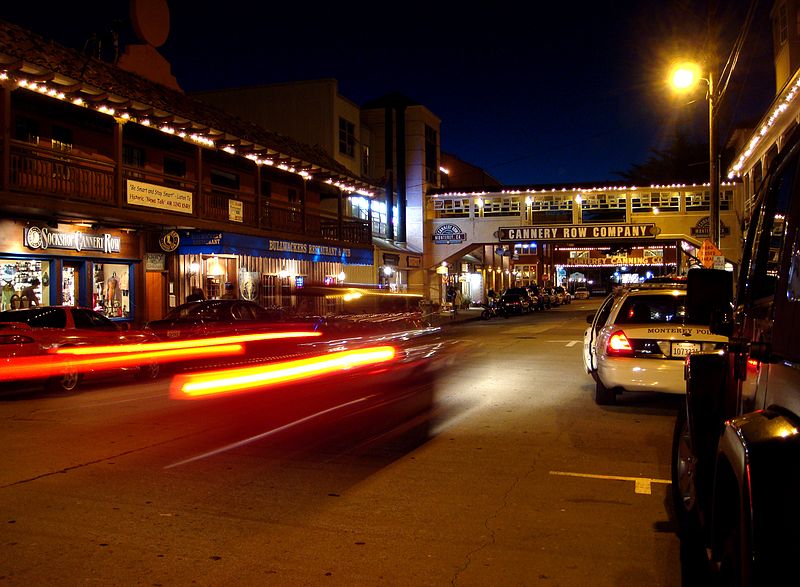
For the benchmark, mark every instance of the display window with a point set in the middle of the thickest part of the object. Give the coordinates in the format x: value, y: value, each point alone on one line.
x: 111, y: 289
x: 24, y: 283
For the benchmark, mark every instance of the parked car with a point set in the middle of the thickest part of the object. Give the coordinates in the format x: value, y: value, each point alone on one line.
x: 735, y: 478
x: 39, y: 331
x: 515, y: 300
x: 537, y: 297
x: 639, y: 339
x: 550, y: 296
x: 581, y: 293
x: 203, y: 318
x: 227, y: 317
x: 562, y: 295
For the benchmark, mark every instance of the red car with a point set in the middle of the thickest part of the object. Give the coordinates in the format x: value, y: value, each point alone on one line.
x: 40, y: 331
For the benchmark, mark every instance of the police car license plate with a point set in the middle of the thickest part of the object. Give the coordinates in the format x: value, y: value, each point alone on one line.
x: 682, y: 349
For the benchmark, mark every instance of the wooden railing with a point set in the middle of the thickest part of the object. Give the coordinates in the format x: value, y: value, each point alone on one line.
x: 54, y: 173
x: 38, y: 170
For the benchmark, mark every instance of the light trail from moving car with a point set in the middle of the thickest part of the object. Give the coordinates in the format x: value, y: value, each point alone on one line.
x: 227, y: 381
x: 85, y: 358
x: 37, y: 367
x: 183, y: 344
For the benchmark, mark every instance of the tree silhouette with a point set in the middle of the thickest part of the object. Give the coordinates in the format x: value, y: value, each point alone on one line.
x: 683, y: 161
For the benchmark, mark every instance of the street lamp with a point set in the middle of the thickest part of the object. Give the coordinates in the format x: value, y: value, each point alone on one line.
x: 683, y: 78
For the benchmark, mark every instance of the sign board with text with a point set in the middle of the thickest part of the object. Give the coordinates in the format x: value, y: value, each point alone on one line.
x: 573, y: 232
x: 159, y: 196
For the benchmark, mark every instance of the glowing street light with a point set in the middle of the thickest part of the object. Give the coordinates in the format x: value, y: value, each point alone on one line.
x: 684, y: 77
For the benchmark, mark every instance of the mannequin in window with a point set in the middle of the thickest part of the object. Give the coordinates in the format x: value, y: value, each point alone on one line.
x: 28, y: 294
x: 7, y: 292
x: 112, y: 290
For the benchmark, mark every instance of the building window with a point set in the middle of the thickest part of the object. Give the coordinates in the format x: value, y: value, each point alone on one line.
x: 365, y: 161
x: 224, y: 179
x: 133, y: 156
x: 27, y: 130
x: 174, y: 167
x: 783, y: 24
x: 62, y: 138
x: 347, y: 137
x: 431, y: 159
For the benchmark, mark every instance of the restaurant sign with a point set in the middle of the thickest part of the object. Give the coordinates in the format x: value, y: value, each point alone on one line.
x: 43, y: 237
x: 577, y: 232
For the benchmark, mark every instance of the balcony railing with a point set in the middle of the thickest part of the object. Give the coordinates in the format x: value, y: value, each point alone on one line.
x: 53, y: 173
x: 62, y: 175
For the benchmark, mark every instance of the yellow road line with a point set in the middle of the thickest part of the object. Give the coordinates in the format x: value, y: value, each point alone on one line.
x: 640, y: 484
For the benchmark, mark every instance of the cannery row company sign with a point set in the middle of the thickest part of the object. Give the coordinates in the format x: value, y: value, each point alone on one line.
x: 577, y: 232
x: 43, y: 237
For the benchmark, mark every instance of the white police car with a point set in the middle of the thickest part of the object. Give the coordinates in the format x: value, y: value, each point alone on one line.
x: 638, y: 340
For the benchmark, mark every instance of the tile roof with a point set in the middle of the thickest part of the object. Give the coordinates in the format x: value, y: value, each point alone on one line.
x: 25, y: 54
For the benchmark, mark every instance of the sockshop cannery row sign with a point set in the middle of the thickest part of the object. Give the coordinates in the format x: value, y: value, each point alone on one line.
x: 553, y: 232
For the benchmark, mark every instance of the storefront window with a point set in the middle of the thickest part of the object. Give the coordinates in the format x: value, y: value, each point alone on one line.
x: 24, y: 283
x: 111, y: 289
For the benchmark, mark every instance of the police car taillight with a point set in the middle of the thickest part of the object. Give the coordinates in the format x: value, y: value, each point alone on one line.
x: 618, y: 344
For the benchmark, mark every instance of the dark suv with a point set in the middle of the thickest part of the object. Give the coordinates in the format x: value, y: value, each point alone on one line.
x: 736, y: 447
x: 515, y: 300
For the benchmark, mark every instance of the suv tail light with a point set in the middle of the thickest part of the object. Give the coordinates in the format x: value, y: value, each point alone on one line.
x: 618, y: 344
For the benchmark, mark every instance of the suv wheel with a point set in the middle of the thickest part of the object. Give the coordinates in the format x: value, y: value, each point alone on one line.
x: 684, y: 490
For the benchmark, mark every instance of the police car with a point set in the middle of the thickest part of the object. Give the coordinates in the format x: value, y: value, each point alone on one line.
x: 638, y: 340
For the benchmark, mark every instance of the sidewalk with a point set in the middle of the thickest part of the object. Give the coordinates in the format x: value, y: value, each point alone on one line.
x: 445, y: 318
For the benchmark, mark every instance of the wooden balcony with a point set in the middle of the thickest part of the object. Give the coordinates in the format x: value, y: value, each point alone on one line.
x: 35, y: 170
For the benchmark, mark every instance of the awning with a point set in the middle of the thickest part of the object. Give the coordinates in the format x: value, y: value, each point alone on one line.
x: 228, y: 243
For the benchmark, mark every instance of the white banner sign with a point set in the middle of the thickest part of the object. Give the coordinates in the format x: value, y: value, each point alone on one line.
x: 159, y: 196
x: 235, y: 211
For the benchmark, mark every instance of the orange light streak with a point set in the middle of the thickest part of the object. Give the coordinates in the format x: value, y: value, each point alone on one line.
x: 50, y: 366
x: 194, y: 385
x: 181, y: 344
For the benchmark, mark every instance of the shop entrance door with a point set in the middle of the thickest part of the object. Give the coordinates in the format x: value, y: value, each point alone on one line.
x: 70, y: 283
x: 155, y: 284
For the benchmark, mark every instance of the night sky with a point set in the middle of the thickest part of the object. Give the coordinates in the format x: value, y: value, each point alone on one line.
x: 545, y: 95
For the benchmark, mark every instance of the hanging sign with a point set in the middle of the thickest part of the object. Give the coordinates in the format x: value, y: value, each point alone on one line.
x: 449, y: 234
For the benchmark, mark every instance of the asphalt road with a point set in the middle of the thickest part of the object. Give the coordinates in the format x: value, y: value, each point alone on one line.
x: 519, y: 479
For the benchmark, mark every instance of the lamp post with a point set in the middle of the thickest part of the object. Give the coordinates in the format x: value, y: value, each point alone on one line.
x: 685, y: 77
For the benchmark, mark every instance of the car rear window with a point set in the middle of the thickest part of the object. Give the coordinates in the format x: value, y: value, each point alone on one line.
x: 37, y: 318
x: 655, y: 309
x: 87, y: 319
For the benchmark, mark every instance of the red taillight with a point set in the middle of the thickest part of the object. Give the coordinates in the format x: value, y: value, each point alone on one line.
x: 618, y: 344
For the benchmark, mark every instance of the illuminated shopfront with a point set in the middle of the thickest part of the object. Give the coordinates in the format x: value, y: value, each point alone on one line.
x: 267, y: 271
x: 43, y: 265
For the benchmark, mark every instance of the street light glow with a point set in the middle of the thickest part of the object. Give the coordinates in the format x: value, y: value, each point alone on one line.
x: 685, y: 75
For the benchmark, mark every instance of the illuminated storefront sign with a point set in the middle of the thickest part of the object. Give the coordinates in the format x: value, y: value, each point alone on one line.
x: 613, y: 261
x: 577, y: 232
x: 43, y: 237
x: 216, y: 243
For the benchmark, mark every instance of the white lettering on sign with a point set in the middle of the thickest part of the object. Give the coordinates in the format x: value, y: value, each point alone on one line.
x: 576, y: 232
